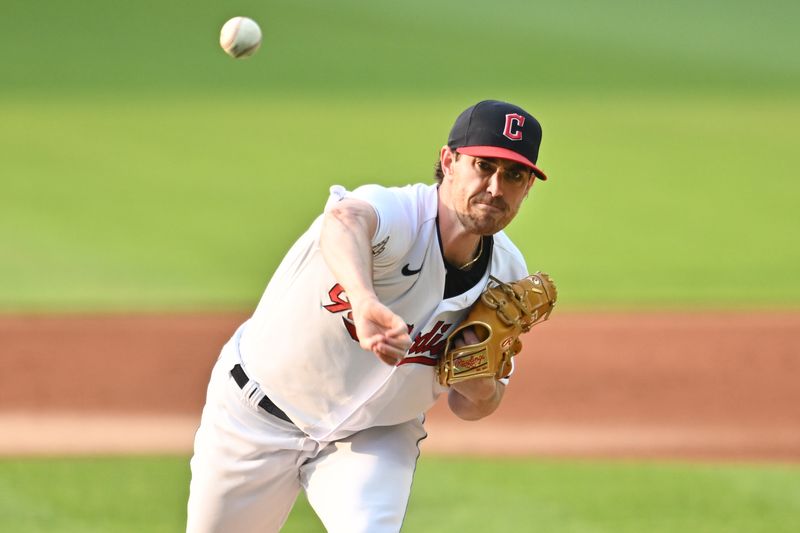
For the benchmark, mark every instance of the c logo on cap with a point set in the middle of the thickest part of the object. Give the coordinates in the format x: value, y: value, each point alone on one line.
x: 513, y: 129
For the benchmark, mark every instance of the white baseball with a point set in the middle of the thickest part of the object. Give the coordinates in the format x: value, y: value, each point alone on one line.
x: 240, y: 37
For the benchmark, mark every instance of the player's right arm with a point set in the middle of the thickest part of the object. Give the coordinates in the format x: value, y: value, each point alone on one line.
x: 346, y: 243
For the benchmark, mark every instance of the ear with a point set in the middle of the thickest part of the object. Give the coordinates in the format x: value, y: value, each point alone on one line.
x: 447, y: 159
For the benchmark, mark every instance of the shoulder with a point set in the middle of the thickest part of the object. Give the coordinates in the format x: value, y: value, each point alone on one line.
x: 402, y: 213
x: 411, y: 204
x: 410, y: 195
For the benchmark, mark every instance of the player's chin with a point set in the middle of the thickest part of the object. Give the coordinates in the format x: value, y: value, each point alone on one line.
x: 489, y: 223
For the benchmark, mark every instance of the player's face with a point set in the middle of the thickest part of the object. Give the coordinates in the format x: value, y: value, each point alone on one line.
x: 486, y: 193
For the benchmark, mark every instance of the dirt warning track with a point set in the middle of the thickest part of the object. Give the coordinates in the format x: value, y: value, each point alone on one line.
x: 702, y: 385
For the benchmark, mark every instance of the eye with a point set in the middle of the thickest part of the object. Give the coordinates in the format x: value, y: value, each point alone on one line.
x: 484, y: 165
x: 515, y: 177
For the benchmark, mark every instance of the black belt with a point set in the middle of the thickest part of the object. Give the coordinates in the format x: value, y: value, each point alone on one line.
x: 266, y: 404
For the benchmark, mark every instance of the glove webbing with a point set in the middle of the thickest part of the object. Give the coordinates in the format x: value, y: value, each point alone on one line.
x: 517, y: 297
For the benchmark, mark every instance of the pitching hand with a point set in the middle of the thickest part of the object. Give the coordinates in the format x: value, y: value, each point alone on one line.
x: 381, y: 331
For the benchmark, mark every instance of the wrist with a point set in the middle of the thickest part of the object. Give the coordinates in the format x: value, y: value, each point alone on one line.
x: 361, y: 297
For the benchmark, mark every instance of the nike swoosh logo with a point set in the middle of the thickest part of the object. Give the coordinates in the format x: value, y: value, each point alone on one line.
x: 408, y: 272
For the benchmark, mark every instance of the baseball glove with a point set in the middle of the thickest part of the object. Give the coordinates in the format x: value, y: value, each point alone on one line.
x: 501, y: 314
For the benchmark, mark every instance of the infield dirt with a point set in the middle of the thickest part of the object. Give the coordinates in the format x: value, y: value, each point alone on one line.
x: 701, y: 385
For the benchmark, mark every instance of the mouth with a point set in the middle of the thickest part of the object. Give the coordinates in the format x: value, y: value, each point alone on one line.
x: 492, y: 206
x: 487, y: 201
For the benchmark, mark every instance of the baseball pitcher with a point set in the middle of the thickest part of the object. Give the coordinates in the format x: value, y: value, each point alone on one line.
x: 392, y: 297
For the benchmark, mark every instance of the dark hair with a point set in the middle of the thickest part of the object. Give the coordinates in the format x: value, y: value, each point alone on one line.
x: 438, y: 173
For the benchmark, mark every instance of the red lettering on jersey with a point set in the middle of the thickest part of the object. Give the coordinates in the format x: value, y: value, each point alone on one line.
x: 431, y: 342
x: 350, y: 326
x: 421, y: 360
x: 513, y: 129
x: 339, y: 299
x: 340, y: 303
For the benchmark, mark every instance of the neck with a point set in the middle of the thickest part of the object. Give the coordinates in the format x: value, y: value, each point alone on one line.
x: 477, y: 255
x: 459, y: 246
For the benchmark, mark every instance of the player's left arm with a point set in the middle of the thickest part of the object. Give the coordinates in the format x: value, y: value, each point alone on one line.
x: 475, y: 398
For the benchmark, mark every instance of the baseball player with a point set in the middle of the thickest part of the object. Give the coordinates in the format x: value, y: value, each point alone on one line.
x: 325, y: 387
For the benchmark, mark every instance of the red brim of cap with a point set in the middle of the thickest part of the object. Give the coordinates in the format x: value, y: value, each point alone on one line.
x: 502, y: 153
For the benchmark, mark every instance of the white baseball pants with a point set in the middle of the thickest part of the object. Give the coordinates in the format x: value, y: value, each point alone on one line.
x: 249, y: 466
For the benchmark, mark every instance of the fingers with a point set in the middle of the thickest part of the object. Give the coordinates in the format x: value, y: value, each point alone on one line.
x: 399, y: 340
x: 383, y: 332
x: 399, y: 332
x: 389, y: 354
x: 390, y: 350
x: 467, y: 337
x: 396, y: 343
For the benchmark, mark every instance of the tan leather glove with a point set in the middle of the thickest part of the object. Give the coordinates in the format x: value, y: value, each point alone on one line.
x: 501, y: 314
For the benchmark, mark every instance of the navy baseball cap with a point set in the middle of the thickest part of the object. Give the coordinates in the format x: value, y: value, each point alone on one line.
x: 498, y: 129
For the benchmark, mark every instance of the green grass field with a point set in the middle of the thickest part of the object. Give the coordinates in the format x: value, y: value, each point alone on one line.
x: 149, y: 494
x: 143, y: 169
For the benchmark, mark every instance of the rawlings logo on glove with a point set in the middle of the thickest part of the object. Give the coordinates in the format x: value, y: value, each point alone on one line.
x: 501, y: 314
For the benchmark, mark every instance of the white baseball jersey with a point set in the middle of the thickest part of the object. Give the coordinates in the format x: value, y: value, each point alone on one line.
x: 300, y: 344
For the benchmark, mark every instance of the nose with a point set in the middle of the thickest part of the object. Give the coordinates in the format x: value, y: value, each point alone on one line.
x: 493, y: 187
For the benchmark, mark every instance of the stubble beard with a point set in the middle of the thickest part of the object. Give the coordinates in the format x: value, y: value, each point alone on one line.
x: 480, y: 222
